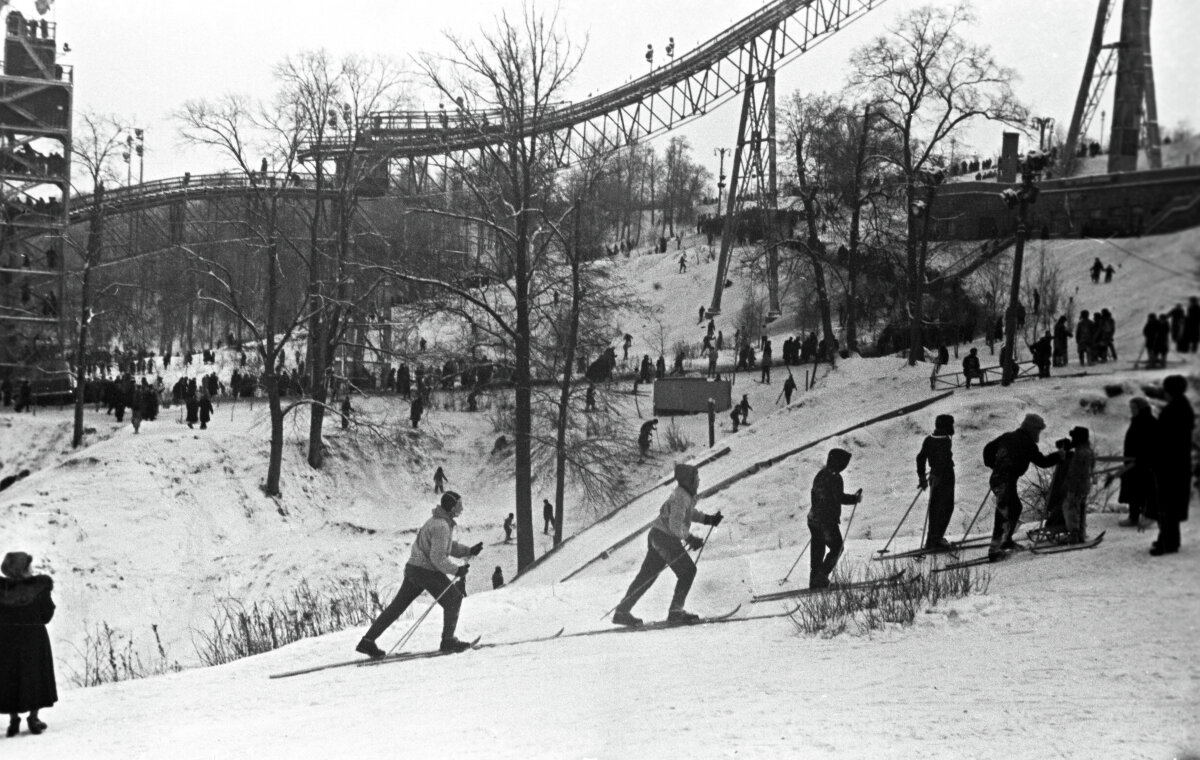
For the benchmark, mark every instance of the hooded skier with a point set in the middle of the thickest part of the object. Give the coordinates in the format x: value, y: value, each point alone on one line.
x: 938, y: 452
x: 1014, y: 452
x: 825, y: 515
x: 427, y: 568
x: 665, y: 547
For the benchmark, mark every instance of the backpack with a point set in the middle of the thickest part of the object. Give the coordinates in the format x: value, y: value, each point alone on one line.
x: 990, y: 450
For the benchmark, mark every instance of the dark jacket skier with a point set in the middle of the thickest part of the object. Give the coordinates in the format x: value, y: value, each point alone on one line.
x: 193, y: 410
x: 825, y: 515
x: 428, y: 565
x: 1176, y: 422
x: 789, y: 386
x: 439, y: 480
x: 649, y: 427
x: 937, y: 451
x: 665, y: 548
x: 26, y: 661
x: 1015, y: 451
x: 206, y: 410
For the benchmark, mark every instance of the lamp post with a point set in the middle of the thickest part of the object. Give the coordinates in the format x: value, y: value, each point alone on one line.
x: 720, y: 177
x: 1021, y: 200
x: 1042, y: 123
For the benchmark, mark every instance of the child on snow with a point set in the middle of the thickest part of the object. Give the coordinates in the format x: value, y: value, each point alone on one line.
x: 825, y: 515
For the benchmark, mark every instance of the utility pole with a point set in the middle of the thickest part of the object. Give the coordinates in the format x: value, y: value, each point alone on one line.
x: 1021, y: 199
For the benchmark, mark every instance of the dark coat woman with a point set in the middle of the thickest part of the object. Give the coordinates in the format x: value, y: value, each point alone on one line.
x: 1138, y: 488
x: 1176, y: 422
x: 26, y: 662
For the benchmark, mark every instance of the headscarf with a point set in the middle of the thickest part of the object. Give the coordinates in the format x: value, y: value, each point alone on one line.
x: 16, y: 565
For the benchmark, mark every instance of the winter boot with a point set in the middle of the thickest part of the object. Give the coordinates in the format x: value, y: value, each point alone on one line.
x: 35, y: 726
x: 817, y: 580
x: 14, y: 725
x: 620, y: 617
x: 454, y: 646
x: 682, y: 617
x: 369, y: 648
x: 996, y: 555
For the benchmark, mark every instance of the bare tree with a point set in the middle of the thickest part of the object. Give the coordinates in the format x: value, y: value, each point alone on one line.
x: 97, y: 144
x: 927, y: 80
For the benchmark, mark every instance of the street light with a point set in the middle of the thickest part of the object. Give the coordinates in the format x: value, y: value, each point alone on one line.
x: 721, y: 177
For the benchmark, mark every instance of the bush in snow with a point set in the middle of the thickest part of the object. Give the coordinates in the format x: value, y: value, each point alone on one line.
x: 676, y: 439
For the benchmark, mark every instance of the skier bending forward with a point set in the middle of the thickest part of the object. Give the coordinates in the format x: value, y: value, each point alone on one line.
x: 665, y: 547
x: 427, y: 568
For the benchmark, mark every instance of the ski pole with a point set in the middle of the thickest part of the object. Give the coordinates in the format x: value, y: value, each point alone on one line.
x: 967, y: 532
x: 884, y: 550
x: 413, y: 628
x: 797, y: 562
x: 925, y: 526
x: 852, y: 511
x: 700, y: 553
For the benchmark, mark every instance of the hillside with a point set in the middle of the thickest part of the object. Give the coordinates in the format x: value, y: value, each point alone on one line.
x: 157, y: 528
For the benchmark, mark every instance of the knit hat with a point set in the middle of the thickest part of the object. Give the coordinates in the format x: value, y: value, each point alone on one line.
x: 1176, y: 385
x: 1079, y: 435
x: 449, y: 500
x: 944, y: 423
x: 1033, y: 422
x: 16, y: 565
x: 837, y: 459
x: 688, y: 477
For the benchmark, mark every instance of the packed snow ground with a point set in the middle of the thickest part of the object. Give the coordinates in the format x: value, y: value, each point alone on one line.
x: 1091, y: 654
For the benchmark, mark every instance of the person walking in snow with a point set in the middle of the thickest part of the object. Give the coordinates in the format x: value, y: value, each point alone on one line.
x: 766, y: 362
x: 682, y: 263
x: 937, y: 450
x: 428, y: 565
x: 825, y: 516
x: 547, y: 516
x: 1010, y: 456
x: 27, y: 681
x: 1176, y: 422
x: 206, y: 409
x: 508, y: 528
x: 745, y: 408
x: 1139, y: 488
x: 649, y: 427
x: 665, y: 548
x: 789, y: 386
x: 1097, y: 269
x: 416, y: 409
x: 1078, y: 485
x: 193, y: 410
x: 439, y: 480
x: 497, y: 578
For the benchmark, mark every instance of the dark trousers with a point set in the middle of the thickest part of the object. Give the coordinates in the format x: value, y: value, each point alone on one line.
x: 941, y: 507
x: 662, y: 550
x: 1008, y: 513
x: 548, y: 521
x: 826, y: 548
x: 1168, y: 533
x: 437, y: 486
x: 416, y: 580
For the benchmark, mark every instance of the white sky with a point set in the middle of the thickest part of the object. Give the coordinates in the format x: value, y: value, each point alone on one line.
x: 140, y: 59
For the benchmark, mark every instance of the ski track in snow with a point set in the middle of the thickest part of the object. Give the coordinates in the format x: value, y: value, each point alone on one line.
x: 1088, y: 654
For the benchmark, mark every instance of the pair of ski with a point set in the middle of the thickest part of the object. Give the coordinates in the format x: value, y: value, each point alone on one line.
x: 953, y: 549
x: 1037, y: 549
x: 894, y: 578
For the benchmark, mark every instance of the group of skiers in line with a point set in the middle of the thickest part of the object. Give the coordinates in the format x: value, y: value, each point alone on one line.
x: 1157, y: 482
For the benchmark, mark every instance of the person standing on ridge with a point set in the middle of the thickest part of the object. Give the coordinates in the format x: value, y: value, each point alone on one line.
x: 508, y: 528
x: 439, y: 480
x: 428, y: 565
x: 825, y: 515
x: 547, y: 516
x: 937, y: 450
x: 665, y: 548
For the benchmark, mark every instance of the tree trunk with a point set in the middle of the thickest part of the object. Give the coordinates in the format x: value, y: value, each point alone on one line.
x: 560, y: 452
x: 855, y: 223
x: 275, y: 462
x: 95, y: 245
x: 916, y: 284
x: 317, y: 339
x: 524, y: 406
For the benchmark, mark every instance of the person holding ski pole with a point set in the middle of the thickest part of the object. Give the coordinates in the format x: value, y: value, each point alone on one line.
x: 937, y: 451
x: 665, y: 547
x: 439, y: 480
x: 428, y: 565
x: 1009, y: 457
x: 825, y: 515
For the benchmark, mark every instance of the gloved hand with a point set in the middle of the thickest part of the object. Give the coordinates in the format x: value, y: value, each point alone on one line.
x: 922, y: 484
x: 858, y: 496
x: 476, y: 549
x: 462, y: 571
x: 713, y: 520
x: 693, y: 542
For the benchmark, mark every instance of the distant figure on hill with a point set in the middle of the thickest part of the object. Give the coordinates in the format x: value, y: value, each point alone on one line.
x: 346, y: 410
x: 206, y: 409
x: 628, y: 341
x: 547, y: 516
x: 1191, y: 326
x: 193, y: 411
x: 682, y: 263
x: 1108, y: 274
x: 789, y: 386
x: 439, y: 480
x: 765, y: 376
x: 1097, y: 269
x: 649, y: 427
x: 416, y: 409
x: 745, y: 408
x: 508, y: 529
x: 497, y: 578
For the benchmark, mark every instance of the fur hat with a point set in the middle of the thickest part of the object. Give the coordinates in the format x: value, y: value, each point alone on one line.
x: 1176, y: 385
x: 837, y: 459
x: 944, y: 423
x: 16, y: 565
x: 1080, y: 435
x: 1033, y: 423
x: 449, y: 500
